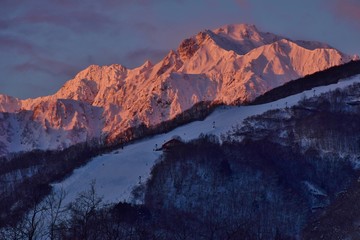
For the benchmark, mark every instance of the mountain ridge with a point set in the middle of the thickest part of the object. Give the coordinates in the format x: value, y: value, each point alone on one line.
x: 231, y: 64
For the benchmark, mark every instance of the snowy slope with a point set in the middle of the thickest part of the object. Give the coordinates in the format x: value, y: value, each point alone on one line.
x: 118, y: 172
x: 234, y: 63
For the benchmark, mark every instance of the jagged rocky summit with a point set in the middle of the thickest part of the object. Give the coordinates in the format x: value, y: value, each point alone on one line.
x: 234, y: 63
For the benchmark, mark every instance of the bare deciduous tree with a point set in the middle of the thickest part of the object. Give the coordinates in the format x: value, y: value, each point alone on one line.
x: 55, y: 211
x: 84, y: 213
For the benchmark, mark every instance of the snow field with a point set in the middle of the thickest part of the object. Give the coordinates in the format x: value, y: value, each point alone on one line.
x: 116, y: 173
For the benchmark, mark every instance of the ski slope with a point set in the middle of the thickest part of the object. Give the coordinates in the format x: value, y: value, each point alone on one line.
x: 116, y: 173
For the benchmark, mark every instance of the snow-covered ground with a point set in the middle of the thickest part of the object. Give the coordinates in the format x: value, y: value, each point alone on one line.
x: 116, y: 173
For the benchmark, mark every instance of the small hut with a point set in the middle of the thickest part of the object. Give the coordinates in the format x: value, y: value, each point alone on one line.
x: 169, y: 145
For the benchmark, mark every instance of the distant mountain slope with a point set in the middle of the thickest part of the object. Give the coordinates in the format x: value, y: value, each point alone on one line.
x: 115, y: 178
x: 116, y: 173
x: 326, y: 77
x: 271, y: 173
x: 272, y: 187
x: 340, y: 220
x: 232, y: 64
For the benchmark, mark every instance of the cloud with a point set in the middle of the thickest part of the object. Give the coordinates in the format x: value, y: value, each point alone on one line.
x: 139, y: 56
x: 75, y: 20
x: 74, y: 15
x: 145, y: 27
x: 243, y: 3
x: 65, y: 3
x: 4, y: 24
x: 6, y: 5
x: 46, y: 65
x: 17, y: 44
x: 131, y: 2
x: 78, y: 16
x: 347, y: 9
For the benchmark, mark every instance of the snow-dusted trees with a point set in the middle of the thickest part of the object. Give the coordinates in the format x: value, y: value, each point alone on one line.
x: 224, y: 189
x: 272, y: 171
x: 24, y: 174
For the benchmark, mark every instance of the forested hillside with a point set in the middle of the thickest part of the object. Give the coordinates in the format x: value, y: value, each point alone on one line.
x: 266, y: 179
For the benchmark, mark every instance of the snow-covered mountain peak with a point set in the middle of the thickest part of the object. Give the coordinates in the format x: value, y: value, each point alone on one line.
x: 355, y: 57
x: 9, y: 104
x: 147, y: 64
x: 87, y: 83
x: 312, y: 45
x: 96, y: 73
x: 234, y: 63
x: 239, y: 31
x: 170, y: 63
x: 188, y: 47
x: 243, y: 37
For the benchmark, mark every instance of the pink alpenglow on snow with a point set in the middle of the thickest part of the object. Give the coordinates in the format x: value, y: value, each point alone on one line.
x: 234, y: 63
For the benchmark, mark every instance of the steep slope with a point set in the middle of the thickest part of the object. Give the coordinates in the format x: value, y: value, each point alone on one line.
x: 232, y: 64
x: 117, y: 172
x: 340, y: 220
x: 9, y: 104
x: 273, y: 170
x: 272, y: 189
x: 115, y: 179
x: 326, y: 77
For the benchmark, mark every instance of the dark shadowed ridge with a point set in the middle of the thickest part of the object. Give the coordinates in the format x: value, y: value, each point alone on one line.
x: 329, y: 76
x: 339, y: 220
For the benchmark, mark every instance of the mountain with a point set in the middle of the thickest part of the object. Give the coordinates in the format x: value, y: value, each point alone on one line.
x: 272, y: 172
x: 115, y: 178
x: 269, y: 175
x: 231, y: 64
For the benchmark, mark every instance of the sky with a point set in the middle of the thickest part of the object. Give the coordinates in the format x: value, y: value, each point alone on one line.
x: 44, y: 43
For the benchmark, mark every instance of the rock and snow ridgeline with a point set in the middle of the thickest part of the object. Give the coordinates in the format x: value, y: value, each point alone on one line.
x: 234, y: 63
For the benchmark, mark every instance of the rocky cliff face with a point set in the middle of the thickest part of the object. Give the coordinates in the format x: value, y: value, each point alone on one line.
x: 231, y: 64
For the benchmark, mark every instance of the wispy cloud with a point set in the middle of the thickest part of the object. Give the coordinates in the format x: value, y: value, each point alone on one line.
x: 16, y: 44
x: 64, y: 3
x: 347, y: 9
x: 131, y: 2
x: 243, y: 3
x: 145, y: 27
x: 3, y: 24
x: 50, y: 66
x: 75, y: 20
x: 139, y: 55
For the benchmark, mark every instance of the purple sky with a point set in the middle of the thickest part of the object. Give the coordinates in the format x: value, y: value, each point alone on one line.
x: 44, y: 43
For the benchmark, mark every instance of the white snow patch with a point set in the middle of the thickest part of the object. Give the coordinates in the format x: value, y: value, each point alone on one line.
x: 314, y: 190
x: 118, y: 172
